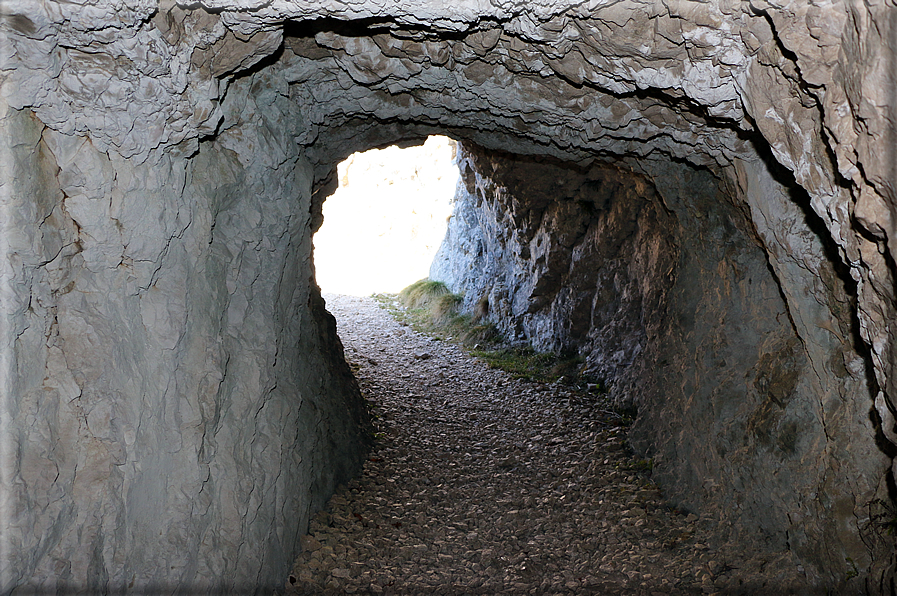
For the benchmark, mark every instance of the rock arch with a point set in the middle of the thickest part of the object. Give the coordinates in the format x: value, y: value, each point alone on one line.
x: 175, y: 389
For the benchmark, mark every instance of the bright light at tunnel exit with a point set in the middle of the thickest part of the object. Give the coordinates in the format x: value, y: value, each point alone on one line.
x: 385, y: 222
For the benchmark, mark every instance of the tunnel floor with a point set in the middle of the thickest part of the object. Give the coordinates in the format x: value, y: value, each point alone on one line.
x: 483, y: 484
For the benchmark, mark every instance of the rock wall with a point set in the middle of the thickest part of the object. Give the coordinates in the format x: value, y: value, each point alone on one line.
x: 746, y: 395
x: 562, y: 258
x: 139, y: 131
x: 179, y: 404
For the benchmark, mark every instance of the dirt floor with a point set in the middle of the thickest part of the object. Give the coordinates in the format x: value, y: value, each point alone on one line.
x: 483, y: 484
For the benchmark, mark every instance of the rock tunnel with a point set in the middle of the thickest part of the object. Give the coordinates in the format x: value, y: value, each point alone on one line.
x: 697, y: 196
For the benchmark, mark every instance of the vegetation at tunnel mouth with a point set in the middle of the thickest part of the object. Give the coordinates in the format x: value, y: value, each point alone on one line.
x: 430, y: 308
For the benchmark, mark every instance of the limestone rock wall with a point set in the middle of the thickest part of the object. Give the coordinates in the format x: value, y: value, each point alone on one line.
x: 564, y: 259
x: 179, y: 404
x: 661, y: 282
x: 148, y: 120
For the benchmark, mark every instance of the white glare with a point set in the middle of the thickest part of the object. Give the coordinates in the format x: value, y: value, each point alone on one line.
x: 385, y: 222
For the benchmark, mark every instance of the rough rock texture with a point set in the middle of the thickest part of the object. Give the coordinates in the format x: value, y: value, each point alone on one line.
x: 668, y: 295
x: 564, y: 259
x: 178, y: 404
x: 113, y: 293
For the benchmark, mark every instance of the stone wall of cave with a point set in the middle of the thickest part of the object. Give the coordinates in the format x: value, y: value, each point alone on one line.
x: 660, y: 281
x: 179, y: 403
x: 172, y: 390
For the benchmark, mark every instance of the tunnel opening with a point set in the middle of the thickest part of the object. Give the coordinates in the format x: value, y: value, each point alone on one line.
x: 178, y: 388
x: 383, y: 224
x: 675, y: 280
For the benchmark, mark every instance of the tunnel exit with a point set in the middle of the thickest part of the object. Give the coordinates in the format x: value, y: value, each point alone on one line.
x: 386, y: 220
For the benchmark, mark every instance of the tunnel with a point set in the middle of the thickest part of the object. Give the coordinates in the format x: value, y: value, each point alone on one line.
x: 697, y: 197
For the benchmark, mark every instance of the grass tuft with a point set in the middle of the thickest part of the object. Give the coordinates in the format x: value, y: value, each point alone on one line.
x: 429, y: 307
x: 422, y: 293
x: 526, y: 363
x: 445, y: 309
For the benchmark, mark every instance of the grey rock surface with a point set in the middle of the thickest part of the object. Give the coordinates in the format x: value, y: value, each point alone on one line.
x: 163, y: 169
x: 179, y: 404
x: 661, y: 283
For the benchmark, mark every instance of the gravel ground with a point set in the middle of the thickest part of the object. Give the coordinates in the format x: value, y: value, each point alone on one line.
x: 482, y: 484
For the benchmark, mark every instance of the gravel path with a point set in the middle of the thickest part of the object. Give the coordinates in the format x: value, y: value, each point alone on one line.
x: 482, y: 484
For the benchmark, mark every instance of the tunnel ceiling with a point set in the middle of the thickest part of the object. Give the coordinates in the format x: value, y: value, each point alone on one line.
x: 689, y: 80
x: 149, y: 119
x: 716, y: 84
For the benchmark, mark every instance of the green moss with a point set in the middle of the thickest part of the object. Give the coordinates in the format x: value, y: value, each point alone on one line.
x: 522, y: 363
x: 642, y: 465
x: 853, y: 571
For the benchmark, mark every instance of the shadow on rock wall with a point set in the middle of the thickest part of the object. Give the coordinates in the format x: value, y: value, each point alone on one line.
x: 736, y: 353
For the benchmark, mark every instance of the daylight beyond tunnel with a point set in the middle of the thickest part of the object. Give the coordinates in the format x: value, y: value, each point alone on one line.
x: 698, y: 197
x: 384, y: 223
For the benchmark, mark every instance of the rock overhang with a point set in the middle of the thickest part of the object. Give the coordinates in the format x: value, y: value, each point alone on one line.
x: 694, y: 81
x: 501, y: 81
x: 720, y: 85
